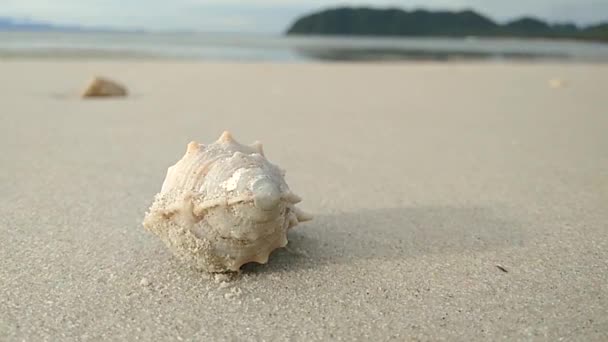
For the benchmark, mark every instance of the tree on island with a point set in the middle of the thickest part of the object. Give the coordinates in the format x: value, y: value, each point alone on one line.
x: 396, y: 22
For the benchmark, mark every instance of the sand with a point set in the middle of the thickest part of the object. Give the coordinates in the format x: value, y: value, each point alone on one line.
x: 452, y: 201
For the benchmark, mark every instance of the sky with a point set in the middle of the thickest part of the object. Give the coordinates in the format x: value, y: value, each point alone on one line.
x: 271, y: 16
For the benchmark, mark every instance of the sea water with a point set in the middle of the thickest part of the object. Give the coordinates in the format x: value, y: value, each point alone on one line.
x: 280, y: 48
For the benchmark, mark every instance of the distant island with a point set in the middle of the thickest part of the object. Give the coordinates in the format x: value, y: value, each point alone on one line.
x: 10, y: 24
x: 397, y: 22
x: 13, y: 25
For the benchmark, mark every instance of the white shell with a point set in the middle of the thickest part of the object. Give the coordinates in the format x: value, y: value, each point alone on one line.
x: 224, y: 205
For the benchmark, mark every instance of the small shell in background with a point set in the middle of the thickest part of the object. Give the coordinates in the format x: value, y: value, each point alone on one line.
x: 556, y: 83
x: 224, y: 205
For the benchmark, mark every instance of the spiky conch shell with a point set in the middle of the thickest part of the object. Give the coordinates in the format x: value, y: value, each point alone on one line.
x: 224, y: 205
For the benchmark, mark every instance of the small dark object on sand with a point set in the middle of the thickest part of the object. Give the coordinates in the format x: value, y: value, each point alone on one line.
x: 502, y: 268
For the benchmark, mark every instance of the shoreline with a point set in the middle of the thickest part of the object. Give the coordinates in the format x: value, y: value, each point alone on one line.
x: 336, y: 63
x: 282, y: 49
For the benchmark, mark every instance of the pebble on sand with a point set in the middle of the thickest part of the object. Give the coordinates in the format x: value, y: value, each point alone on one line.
x: 145, y: 282
x: 103, y: 87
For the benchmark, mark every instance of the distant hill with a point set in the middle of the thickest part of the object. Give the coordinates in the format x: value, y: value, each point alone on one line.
x: 397, y: 22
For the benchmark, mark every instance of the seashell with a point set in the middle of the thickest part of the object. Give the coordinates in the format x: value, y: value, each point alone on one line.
x: 101, y: 87
x: 557, y: 83
x: 224, y: 205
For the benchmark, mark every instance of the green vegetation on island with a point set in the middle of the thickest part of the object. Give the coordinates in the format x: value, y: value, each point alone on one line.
x: 397, y: 22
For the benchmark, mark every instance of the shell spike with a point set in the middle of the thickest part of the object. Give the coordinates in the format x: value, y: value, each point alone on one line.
x: 193, y: 146
x: 302, y: 215
x: 293, y: 220
x: 226, y: 137
x: 258, y: 147
x: 292, y: 198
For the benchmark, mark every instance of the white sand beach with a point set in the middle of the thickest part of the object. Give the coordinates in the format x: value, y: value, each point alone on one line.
x: 457, y: 201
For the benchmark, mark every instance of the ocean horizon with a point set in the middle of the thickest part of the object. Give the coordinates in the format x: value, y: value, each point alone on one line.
x: 280, y: 48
